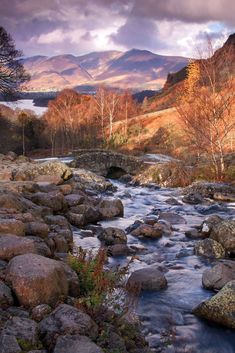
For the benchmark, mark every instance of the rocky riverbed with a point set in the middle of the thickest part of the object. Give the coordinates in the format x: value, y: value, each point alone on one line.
x: 181, y: 242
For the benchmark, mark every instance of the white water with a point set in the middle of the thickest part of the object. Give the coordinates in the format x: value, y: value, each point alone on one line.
x: 168, y: 323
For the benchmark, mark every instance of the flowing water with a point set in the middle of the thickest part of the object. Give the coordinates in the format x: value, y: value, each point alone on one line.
x: 166, y: 315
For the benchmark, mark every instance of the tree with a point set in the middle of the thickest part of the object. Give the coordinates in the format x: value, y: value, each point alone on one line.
x: 207, y: 102
x: 100, y: 102
x: 12, y: 72
x: 127, y: 109
x: 23, y: 118
x: 113, y: 99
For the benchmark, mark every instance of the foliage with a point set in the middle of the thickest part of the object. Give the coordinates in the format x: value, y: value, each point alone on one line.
x: 99, y: 287
x: 117, y: 139
x: 12, y: 73
x: 206, y: 105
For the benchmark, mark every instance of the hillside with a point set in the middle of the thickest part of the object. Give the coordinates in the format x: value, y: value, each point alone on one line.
x: 135, y: 69
x: 166, y: 98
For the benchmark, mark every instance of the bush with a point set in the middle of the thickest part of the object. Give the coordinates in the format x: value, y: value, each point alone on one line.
x: 100, y: 288
x: 230, y: 173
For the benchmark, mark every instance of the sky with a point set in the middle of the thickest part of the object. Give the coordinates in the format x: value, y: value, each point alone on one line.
x: 169, y: 27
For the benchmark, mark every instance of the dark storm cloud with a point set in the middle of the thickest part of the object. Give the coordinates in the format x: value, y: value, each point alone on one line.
x: 138, y: 33
x: 46, y: 26
x: 198, y: 11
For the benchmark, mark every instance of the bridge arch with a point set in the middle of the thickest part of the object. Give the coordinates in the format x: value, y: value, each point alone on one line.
x: 108, y: 163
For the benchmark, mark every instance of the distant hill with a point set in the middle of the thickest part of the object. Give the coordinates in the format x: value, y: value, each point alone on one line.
x: 179, y: 76
x: 135, y: 69
x: 166, y: 97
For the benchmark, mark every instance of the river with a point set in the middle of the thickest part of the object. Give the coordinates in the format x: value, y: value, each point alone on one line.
x: 166, y: 315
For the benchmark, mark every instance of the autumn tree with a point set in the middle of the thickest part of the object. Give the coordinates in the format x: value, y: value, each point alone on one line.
x: 128, y: 109
x: 12, y: 72
x: 206, y: 105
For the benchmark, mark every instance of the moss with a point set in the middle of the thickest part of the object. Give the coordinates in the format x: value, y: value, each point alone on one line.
x: 27, y: 346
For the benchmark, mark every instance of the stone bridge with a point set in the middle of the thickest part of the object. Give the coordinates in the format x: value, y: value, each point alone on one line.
x: 108, y: 164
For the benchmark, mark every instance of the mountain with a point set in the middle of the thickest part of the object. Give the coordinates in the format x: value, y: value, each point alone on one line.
x: 135, y: 69
x: 228, y: 47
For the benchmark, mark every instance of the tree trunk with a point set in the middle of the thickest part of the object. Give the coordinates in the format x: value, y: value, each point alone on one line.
x: 23, y: 139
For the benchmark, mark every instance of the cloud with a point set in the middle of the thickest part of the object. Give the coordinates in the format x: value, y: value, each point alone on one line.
x: 138, y: 33
x: 80, y: 26
x: 191, y: 11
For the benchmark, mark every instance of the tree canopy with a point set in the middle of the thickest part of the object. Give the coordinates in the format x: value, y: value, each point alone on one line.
x: 12, y: 72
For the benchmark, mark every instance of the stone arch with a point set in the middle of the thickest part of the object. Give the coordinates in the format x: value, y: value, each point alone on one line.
x: 101, y: 162
x: 115, y: 172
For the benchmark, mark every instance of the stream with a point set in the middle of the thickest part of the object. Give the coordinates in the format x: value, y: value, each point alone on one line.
x: 166, y: 315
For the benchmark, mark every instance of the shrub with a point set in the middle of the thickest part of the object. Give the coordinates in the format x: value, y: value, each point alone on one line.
x: 100, y: 287
x: 230, y: 173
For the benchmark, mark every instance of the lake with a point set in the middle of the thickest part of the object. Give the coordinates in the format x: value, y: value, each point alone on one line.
x: 25, y: 104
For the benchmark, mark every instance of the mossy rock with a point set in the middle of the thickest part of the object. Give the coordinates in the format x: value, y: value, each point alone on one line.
x: 220, y: 308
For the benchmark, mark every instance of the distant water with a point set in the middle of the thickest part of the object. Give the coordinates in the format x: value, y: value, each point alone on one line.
x: 25, y: 104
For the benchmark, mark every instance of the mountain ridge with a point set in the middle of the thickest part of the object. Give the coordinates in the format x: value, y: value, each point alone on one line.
x: 134, y: 69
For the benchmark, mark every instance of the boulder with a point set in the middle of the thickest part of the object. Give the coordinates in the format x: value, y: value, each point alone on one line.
x: 148, y: 231
x: 150, y: 219
x: 76, y: 219
x: 60, y: 244
x: 209, y: 248
x: 76, y: 344
x: 38, y: 229
x: 73, y: 281
x: 112, y: 236
x: 66, y: 189
x: 23, y: 329
x: 66, y: 319
x: 118, y: 250
x: 224, y: 233
x: 57, y: 220
x: 216, y: 277
x: 206, y: 189
x: 74, y: 199
x: 12, y: 245
x: 209, y: 223
x: 219, y: 308
x: 173, y: 201
x: 9, y: 344
x: 193, y: 198
x: 36, y: 280
x: 11, y: 201
x: 90, y: 213
x: 218, y: 196
x: 40, y: 311
x: 85, y: 179
x: 47, y: 171
x: 194, y: 234
x: 147, y: 279
x: 42, y: 247
x: 12, y: 226
x: 172, y: 218
x: 6, y: 298
x: 54, y: 200
x: 110, y: 208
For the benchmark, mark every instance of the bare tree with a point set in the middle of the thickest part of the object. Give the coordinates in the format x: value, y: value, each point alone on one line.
x: 12, y: 72
x: 100, y: 101
x: 207, y: 102
x: 23, y: 119
x: 112, y: 109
